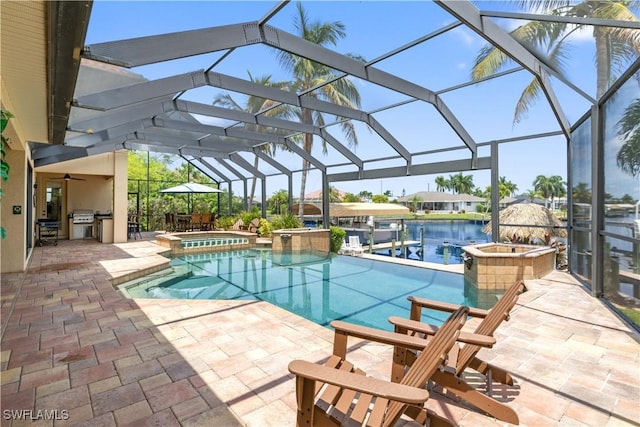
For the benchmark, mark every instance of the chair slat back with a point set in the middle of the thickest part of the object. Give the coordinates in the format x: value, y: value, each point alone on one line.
x: 430, y: 359
x: 498, y: 314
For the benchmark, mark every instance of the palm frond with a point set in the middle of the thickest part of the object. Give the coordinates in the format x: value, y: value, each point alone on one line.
x: 621, y: 56
x: 526, y: 100
x: 326, y: 33
x: 349, y: 131
x: 630, y: 119
x: 542, y: 6
x: 225, y: 100
x: 558, y: 56
x: 628, y: 157
x: 488, y: 62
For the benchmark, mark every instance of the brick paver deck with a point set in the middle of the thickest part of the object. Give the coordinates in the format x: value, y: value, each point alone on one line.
x: 74, y: 347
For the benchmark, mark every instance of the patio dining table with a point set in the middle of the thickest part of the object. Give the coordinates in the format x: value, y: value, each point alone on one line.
x: 183, y: 222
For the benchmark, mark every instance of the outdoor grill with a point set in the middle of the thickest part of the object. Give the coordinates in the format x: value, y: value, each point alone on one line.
x: 82, y: 224
x: 82, y: 217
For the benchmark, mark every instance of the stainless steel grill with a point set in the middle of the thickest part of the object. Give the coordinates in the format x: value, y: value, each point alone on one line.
x: 82, y: 224
x: 82, y: 217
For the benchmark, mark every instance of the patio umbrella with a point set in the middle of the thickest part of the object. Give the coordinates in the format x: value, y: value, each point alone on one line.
x: 190, y: 188
x: 527, y: 222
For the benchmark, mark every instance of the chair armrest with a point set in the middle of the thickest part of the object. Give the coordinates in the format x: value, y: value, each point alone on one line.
x: 378, y: 335
x: 445, y: 306
x: 373, y: 386
x: 425, y: 328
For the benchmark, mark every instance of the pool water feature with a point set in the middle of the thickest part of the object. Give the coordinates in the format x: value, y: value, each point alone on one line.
x: 317, y: 286
x: 206, y: 241
x: 199, y: 243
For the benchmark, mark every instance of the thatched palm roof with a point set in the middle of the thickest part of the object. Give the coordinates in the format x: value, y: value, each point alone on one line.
x: 527, y: 222
x: 355, y: 209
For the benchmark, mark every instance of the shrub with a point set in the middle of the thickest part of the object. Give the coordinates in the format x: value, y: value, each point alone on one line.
x: 248, y: 216
x: 264, y: 229
x: 337, y: 237
x: 285, y: 221
x: 226, y: 222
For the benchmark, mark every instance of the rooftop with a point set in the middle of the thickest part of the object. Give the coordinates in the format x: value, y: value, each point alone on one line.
x: 72, y: 342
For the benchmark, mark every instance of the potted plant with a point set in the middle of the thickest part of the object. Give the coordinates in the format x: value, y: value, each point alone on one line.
x: 5, y: 116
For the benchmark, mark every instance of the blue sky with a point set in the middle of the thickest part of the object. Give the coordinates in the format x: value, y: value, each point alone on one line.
x: 374, y: 28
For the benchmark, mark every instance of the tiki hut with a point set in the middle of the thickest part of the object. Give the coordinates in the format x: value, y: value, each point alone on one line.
x: 527, y: 223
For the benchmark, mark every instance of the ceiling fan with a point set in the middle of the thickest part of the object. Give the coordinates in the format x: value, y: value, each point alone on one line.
x: 68, y: 177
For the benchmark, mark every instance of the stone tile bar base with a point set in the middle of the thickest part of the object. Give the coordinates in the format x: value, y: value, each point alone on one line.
x: 301, y: 240
x: 498, y: 265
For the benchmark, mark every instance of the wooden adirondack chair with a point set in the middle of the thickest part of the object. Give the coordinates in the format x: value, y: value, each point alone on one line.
x: 464, y: 353
x: 337, y: 393
x: 238, y: 225
x: 254, y: 225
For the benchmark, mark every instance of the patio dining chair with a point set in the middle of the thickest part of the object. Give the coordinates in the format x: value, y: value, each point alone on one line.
x: 337, y: 393
x: 464, y: 354
x: 133, y: 226
x: 205, y: 222
x: 196, y: 221
x: 169, y: 222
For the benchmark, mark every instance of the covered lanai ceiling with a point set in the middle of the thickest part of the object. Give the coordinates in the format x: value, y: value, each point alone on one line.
x: 173, y: 111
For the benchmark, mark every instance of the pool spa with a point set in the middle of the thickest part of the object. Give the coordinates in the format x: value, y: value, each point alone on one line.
x: 320, y: 287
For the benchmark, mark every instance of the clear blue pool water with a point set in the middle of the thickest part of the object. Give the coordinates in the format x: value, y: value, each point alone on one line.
x: 434, y: 235
x: 318, y: 288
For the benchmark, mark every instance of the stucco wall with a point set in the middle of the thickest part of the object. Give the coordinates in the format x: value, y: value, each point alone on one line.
x: 13, y: 249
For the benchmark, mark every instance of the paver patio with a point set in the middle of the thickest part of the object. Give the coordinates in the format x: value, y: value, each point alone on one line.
x: 73, y: 346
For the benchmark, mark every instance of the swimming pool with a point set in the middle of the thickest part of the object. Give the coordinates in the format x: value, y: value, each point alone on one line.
x: 443, y: 239
x: 321, y: 289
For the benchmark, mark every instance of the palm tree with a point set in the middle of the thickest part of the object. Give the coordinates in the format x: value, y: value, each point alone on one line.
x: 550, y: 187
x: 442, y: 183
x: 559, y: 187
x: 581, y: 193
x: 461, y: 184
x: 365, y: 195
x: 253, y: 105
x: 308, y: 74
x: 532, y: 195
x: 509, y: 187
x: 415, y: 200
x: 278, y: 202
x: 542, y: 185
x: 614, y: 46
x: 334, y: 195
x: 628, y: 157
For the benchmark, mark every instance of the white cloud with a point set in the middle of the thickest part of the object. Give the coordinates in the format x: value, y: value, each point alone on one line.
x: 467, y: 37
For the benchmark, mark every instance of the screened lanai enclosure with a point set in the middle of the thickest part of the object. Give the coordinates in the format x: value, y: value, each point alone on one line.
x: 243, y: 91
